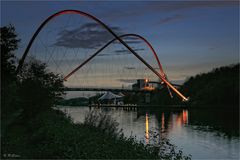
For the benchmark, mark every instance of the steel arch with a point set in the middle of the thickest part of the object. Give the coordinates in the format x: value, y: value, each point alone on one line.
x: 109, y: 30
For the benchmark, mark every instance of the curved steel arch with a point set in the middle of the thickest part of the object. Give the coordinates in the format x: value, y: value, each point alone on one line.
x: 110, y: 42
x: 107, y: 44
x: 109, y: 30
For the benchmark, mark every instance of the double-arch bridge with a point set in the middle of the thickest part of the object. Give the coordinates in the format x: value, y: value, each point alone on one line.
x: 119, y: 38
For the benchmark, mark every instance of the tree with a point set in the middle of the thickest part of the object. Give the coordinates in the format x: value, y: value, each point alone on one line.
x: 34, y: 88
x: 39, y: 89
x: 217, y: 87
x: 9, y: 43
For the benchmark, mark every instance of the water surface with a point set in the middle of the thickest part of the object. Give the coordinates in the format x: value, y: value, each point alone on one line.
x: 205, y: 134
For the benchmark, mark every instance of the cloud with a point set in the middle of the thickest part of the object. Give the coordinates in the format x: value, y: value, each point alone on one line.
x: 171, y: 19
x: 212, y: 48
x: 120, y: 52
x: 129, y: 40
x: 87, y: 36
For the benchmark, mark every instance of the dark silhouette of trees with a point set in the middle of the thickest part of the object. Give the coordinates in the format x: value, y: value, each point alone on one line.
x: 38, y: 89
x: 9, y: 43
x: 34, y: 89
x: 218, y: 87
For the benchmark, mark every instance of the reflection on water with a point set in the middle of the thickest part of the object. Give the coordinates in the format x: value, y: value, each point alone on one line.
x: 205, y: 134
x: 162, y: 123
x: 185, y: 116
x: 147, y: 132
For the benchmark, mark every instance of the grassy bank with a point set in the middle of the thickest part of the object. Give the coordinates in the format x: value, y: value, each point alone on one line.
x: 53, y: 135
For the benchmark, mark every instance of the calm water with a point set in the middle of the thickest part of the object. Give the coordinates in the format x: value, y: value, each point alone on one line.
x: 204, y: 134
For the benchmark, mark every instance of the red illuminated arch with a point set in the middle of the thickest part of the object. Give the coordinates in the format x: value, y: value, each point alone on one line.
x: 109, y: 30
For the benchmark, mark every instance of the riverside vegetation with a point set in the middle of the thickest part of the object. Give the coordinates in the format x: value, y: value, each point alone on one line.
x: 31, y: 127
x: 217, y: 88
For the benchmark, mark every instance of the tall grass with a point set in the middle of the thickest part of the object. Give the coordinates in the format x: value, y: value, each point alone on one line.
x: 158, y: 146
x: 103, y: 122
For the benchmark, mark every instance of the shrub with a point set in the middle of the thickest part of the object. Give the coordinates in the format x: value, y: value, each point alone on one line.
x: 38, y: 89
x: 103, y: 122
x: 158, y: 147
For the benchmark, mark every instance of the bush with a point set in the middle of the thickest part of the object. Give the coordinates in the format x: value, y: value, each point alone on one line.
x: 158, y: 147
x: 38, y: 89
x: 104, y: 122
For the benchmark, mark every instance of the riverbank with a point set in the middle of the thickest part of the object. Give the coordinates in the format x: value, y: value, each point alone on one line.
x: 192, y: 131
x: 53, y: 135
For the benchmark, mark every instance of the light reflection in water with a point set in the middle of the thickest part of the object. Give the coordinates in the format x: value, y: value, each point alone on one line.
x: 147, y: 133
x: 185, y: 116
x: 181, y: 118
x: 162, y: 123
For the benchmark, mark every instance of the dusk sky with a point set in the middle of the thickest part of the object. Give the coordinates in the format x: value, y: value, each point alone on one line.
x: 189, y: 37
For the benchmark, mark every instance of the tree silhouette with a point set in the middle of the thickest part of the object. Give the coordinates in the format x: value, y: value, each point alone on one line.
x: 39, y: 89
x: 9, y: 43
x: 34, y: 89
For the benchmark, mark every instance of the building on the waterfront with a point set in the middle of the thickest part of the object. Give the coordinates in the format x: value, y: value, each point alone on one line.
x: 145, y: 84
x: 139, y: 85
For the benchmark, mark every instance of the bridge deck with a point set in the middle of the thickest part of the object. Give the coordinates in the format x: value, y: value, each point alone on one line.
x: 103, y: 89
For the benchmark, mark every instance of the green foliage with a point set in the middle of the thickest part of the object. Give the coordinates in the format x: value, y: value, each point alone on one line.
x: 38, y: 89
x: 31, y: 91
x: 134, y: 98
x: 103, y: 122
x: 9, y: 109
x: 9, y: 43
x: 94, y: 99
x: 162, y: 97
x: 80, y: 101
x: 218, y: 87
x: 52, y: 135
x: 162, y: 148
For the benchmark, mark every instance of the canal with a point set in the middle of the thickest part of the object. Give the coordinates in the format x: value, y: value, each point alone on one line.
x: 204, y: 134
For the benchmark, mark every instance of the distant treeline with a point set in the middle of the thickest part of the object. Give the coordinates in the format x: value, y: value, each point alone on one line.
x: 219, y: 87
x: 80, y: 101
